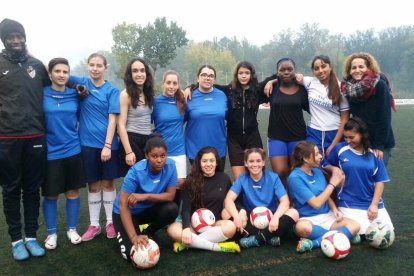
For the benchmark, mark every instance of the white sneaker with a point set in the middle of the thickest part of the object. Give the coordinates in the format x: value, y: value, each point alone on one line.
x: 51, y: 242
x: 74, y: 237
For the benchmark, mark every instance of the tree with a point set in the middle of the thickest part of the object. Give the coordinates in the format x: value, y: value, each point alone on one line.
x: 157, y: 43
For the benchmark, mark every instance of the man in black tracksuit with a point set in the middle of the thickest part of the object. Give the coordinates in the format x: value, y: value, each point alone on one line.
x: 22, y: 141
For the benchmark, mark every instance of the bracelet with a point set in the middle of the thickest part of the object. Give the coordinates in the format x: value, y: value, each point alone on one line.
x: 332, y: 185
x: 107, y: 147
x: 129, y: 152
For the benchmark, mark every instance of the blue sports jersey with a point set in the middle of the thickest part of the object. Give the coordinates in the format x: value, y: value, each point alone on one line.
x: 205, y: 116
x: 60, y: 109
x: 169, y: 123
x: 94, y: 112
x: 362, y: 171
x: 303, y: 187
x: 141, y: 180
x: 264, y: 193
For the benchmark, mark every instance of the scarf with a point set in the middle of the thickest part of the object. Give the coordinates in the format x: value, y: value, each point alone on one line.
x: 14, y: 57
x: 360, y: 90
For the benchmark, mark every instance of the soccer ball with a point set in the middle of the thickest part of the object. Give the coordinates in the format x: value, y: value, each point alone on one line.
x: 379, y: 235
x: 260, y: 217
x: 202, y: 219
x: 147, y: 257
x: 335, y: 245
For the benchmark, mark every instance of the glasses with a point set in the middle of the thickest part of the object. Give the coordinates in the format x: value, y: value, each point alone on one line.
x: 206, y: 76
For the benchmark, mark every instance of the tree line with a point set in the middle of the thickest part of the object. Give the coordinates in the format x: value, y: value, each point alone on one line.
x: 165, y: 46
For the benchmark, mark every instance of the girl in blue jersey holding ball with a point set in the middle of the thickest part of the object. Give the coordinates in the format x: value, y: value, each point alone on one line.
x: 64, y: 162
x: 260, y: 188
x: 146, y: 197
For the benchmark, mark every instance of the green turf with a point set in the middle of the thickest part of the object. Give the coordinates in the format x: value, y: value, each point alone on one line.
x: 102, y: 257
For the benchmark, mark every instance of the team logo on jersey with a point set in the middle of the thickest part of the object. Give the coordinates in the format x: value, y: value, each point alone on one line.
x: 156, y: 181
x: 95, y: 90
x: 6, y: 72
x: 345, y: 160
x: 312, y: 181
x: 31, y: 71
x: 257, y: 186
x: 208, y: 99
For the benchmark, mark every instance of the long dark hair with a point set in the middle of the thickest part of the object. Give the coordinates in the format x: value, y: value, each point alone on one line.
x: 235, y: 96
x: 195, y: 180
x: 358, y: 125
x: 334, y: 92
x: 178, y: 96
x: 133, y: 90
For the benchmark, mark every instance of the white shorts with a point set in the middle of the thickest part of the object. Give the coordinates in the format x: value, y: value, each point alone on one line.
x: 323, y: 220
x: 180, y: 164
x: 361, y: 216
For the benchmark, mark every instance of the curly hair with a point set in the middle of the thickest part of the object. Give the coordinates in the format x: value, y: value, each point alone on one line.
x: 370, y: 62
x: 195, y: 180
x: 133, y: 90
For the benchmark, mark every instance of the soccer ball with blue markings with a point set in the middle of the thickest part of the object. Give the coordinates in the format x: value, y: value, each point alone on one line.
x: 380, y: 235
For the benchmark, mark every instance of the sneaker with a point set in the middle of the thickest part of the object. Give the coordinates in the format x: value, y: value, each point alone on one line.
x: 34, y: 248
x: 20, y: 252
x: 275, y: 241
x: 51, y: 242
x: 178, y: 247
x: 73, y: 236
x: 179, y: 218
x: 110, y: 231
x: 230, y: 247
x: 356, y: 239
x: 91, y: 233
x: 142, y: 227
x: 304, y: 245
x: 248, y: 242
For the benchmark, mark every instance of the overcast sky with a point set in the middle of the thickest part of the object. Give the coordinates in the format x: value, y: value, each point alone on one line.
x: 74, y: 29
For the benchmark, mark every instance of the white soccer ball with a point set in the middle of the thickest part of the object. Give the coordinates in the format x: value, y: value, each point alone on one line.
x: 335, y: 245
x: 202, y: 219
x: 147, y: 257
x: 260, y: 217
x: 380, y: 235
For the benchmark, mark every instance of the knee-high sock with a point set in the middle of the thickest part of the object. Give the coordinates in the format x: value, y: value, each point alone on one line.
x: 72, y: 212
x: 214, y: 234
x: 316, y: 235
x: 108, y: 202
x: 345, y: 230
x: 202, y: 243
x: 50, y: 214
x: 94, y: 203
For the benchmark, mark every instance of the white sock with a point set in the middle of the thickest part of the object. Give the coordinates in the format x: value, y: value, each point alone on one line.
x: 94, y: 203
x: 16, y: 242
x: 201, y: 243
x: 108, y: 203
x: 214, y: 234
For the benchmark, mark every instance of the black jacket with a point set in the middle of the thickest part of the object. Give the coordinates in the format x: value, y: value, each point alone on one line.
x: 21, y: 97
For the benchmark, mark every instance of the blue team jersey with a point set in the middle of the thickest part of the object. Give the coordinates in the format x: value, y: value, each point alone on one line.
x: 169, y: 123
x: 141, y: 180
x: 264, y: 193
x: 303, y: 187
x: 206, y: 126
x: 362, y: 171
x: 94, y: 112
x: 60, y: 110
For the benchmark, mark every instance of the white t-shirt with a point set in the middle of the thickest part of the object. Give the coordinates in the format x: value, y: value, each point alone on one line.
x: 324, y: 115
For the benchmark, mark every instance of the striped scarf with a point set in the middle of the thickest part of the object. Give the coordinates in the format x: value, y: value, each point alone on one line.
x: 360, y: 90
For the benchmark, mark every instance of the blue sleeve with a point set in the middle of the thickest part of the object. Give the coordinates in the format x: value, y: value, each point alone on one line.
x: 381, y: 174
x: 114, y: 101
x: 172, y: 181
x: 280, y: 190
x: 77, y: 80
x: 131, y: 182
x: 298, y: 190
x: 332, y: 158
x: 237, y: 186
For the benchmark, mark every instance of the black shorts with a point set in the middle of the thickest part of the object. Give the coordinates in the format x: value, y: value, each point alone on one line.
x: 238, y: 143
x: 137, y: 142
x: 63, y: 175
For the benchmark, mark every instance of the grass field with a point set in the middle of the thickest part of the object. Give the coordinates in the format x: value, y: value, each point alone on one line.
x: 102, y: 257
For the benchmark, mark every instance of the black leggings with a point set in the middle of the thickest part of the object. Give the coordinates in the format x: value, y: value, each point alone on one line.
x: 158, y: 216
x: 285, y: 228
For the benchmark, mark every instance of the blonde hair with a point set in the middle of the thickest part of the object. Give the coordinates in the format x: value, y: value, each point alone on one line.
x: 370, y: 62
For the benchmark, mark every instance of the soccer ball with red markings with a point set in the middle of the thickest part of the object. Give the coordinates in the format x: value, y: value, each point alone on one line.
x: 202, y: 219
x: 380, y: 235
x: 260, y: 217
x: 147, y: 257
x: 335, y: 245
